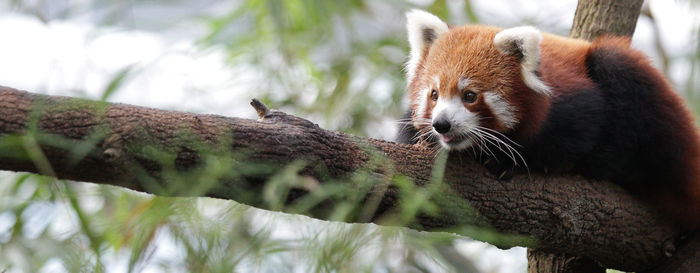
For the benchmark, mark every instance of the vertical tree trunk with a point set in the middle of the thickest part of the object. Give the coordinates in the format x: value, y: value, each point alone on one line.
x: 592, y: 19
x: 544, y: 262
x: 597, y: 17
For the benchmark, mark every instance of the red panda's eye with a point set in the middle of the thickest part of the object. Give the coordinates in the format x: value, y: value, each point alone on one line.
x: 469, y: 97
x: 434, y: 95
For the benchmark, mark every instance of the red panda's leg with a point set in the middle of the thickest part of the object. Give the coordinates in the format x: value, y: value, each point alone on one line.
x: 501, y: 167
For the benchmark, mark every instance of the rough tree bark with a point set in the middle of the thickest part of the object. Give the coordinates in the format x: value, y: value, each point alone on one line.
x: 598, y: 17
x: 563, y: 214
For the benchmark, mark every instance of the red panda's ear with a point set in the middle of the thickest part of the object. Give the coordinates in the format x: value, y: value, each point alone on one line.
x: 423, y: 29
x: 524, y: 42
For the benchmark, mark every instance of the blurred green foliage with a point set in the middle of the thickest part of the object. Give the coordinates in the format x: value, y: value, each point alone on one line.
x: 337, y: 62
x: 340, y: 62
x: 315, y: 58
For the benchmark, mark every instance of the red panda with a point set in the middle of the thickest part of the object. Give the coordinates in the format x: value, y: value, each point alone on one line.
x: 553, y: 104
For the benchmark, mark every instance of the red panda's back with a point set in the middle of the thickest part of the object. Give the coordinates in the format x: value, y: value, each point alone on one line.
x: 562, y: 64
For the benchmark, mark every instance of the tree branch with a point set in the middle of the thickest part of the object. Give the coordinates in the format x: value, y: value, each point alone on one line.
x: 564, y: 214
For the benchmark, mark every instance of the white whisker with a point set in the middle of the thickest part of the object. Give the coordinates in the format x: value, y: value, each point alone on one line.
x: 484, y: 144
x: 500, y: 134
x: 511, y: 152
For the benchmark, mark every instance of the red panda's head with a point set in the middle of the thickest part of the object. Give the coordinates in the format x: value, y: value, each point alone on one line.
x: 469, y: 81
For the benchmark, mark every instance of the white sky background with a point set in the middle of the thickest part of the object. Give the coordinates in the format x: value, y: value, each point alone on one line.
x: 76, y: 56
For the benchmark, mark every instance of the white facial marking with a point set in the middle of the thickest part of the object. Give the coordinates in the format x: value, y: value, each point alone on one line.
x: 525, y: 39
x: 422, y: 101
x: 421, y: 25
x: 463, y: 83
x: 501, y: 109
x: 461, y: 121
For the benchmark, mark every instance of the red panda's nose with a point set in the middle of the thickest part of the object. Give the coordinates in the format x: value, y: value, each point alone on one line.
x: 442, y: 126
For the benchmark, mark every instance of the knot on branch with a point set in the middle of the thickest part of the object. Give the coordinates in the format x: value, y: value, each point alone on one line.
x: 267, y: 115
x: 260, y: 108
x: 111, y: 155
x: 112, y: 147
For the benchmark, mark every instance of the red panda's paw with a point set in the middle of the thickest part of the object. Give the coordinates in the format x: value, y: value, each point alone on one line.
x: 499, y: 169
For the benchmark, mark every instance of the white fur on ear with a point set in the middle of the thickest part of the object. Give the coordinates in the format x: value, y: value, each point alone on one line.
x: 423, y: 29
x: 524, y: 41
